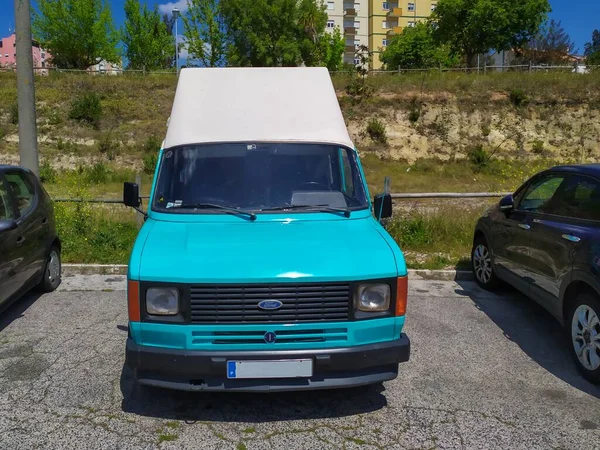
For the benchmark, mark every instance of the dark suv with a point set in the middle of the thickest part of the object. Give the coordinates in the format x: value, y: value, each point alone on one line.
x: 545, y: 241
x: 29, y: 245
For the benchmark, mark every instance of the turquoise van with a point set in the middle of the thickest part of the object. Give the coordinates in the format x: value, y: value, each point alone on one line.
x: 262, y: 264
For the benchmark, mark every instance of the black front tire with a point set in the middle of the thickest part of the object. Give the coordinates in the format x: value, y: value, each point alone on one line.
x: 52, y: 271
x: 481, y: 264
x: 586, y: 306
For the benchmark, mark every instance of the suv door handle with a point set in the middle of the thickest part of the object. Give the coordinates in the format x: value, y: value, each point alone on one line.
x: 20, y: 240
x: 44, y: 221
x: 524, y: 226
x: 571, y: 238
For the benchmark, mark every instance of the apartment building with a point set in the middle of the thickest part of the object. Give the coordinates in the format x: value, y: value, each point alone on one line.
x: 352, y: 18
x: 389, y: 18
x: 8, y: 54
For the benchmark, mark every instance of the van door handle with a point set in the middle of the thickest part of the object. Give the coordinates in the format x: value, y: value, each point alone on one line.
x: 524, y: 226
x: 571, y: 238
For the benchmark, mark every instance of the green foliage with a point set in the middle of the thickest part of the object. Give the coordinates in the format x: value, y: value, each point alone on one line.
x: 550, y: 45
x: 479, y: 157
x: 149, y: 161
x: 109, y: 147
x: 538, y: 148
x: 268, y: 33
x: 86, y: 108
x: 152, y: 144
x: 592, y: 49
x: 47, y: 173
x: 376, y: 130
x: 205, y: 33
x: 416, y: 48
x: 14, y: 113
x: 358, y: 88
x: 414, y: 110
x: 146, y: 41
x: 470, y: 27
x: 97, y: 174
x: 328, y: 51
x: 78, y: 33
x: 518, y: 97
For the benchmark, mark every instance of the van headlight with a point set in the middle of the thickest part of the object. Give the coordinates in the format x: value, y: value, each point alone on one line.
x: 162, y: 301
x: 373, y: 297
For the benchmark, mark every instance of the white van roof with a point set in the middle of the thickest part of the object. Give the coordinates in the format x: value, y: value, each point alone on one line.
x: 255, y: 104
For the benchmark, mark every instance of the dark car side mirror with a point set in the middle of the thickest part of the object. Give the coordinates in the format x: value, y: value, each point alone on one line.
x: 8, y: 225
x: 383, y: 206
x: 131, y: 195
x: 507, y: 203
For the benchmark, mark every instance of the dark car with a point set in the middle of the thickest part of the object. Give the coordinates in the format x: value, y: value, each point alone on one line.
x: 29, y: 245
x: 545, y: 241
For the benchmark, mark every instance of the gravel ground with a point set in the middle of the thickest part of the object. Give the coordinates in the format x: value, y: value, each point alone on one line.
x: 487, y: 371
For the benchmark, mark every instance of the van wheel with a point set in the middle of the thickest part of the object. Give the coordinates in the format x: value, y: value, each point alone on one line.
x: 481, y: 263
x: 584, y: 331
x: 52, y: 271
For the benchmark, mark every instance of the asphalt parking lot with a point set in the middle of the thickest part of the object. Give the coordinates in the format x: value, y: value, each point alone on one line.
x: 486, y: 371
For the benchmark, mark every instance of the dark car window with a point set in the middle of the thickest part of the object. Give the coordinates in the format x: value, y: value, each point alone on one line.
x: 22, y: 189
x: 6, y: 211
x: 580, y: 199
x: 540, y: 196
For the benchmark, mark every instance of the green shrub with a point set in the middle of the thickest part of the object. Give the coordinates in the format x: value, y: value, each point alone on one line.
x: 414, y: 110
x: 14, y: 113
x: 152, y: 144
x: 109, y: 147
x: 538, y: 148
x: 97, y: 174
x: 486, y: 130
x: 518, y: 97
x: 479, y: 157
x: 376, y: 130
x: 150, y: 160
x: 47, y: 173
x: 358, y: 89
x: 86, y: 108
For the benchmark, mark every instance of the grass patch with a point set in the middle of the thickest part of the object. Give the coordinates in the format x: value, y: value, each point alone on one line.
x: 167, y: 437
x: 376, y: 131
x: 249, y: 430
x: 173, y: 424
x: 241, y: 446
x: 86, y: 108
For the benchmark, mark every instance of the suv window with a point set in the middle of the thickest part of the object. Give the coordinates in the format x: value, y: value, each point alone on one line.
x: 580, y: 199
x: 6, y: 211
x: 23, y: 190
x: 539, y: 195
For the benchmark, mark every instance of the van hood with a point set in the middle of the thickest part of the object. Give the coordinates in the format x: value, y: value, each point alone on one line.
x: 265, y: 251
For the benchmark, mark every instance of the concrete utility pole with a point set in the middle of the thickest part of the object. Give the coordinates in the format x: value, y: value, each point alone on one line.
x: 176, y: 16
x: 28, y: 150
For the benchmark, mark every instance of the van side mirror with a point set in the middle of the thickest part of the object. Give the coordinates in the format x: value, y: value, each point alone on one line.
x: 131, y: 195
x: 8, y: 225
x: 507, y: 203
x: 383, y: 206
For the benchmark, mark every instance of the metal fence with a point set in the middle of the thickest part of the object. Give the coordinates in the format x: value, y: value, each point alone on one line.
x: 482, y: 69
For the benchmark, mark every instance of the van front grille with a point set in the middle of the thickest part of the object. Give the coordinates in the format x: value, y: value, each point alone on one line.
x: 299, y: 303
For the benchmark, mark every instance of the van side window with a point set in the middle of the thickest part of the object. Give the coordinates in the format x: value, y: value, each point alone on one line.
x: 346, y: 173
x: 6, y: 211
x: 22, y: 189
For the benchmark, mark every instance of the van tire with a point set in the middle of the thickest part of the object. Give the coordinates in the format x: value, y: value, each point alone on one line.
x: 585, y: 306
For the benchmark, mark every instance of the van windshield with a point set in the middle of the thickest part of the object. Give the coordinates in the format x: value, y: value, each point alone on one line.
x: 258, y: 177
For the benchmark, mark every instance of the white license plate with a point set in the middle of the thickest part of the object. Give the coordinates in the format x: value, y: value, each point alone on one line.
x: 288, y: 368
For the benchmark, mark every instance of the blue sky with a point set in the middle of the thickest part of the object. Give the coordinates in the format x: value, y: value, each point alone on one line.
x: 578, y: 17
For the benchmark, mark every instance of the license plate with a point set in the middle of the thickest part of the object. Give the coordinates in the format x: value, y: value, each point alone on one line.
x: 288, y: 368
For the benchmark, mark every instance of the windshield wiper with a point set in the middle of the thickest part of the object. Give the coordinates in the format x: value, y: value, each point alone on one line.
x: 325, y: 208
x: 239, y: 212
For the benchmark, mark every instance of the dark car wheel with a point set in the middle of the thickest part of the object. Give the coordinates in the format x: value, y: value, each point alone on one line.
x: 52, y: 272
x: 584, y: 333
x: 481, y: 263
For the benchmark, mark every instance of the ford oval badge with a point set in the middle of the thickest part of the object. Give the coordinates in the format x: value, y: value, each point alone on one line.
x: 270, y: 305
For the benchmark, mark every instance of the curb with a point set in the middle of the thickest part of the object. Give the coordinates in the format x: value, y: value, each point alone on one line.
x: 121, y: 269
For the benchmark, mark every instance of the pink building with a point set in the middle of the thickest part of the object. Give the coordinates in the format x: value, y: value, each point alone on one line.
x: 8, y: 54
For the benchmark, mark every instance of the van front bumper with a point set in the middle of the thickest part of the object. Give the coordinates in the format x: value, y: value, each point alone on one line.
x: 206, y: 371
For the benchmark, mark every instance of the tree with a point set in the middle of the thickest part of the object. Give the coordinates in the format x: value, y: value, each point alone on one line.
x: 78, y: 33
x: 476, y: 26
x: 416, y: 48
x: 169, y: 21
x: 592, y: 49
x: 279, y: 33
x: 147, y: 44
x: 205, y: 33
x: 550, y: 45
